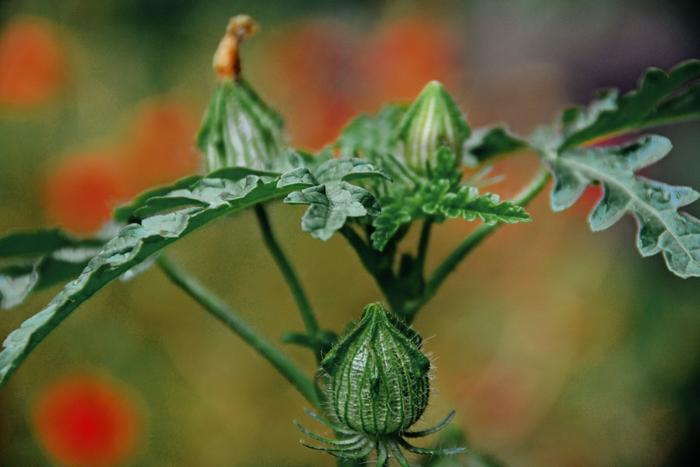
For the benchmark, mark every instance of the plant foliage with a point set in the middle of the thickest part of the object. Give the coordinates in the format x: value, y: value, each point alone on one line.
x: 654, y: 205
x: 36, y: 259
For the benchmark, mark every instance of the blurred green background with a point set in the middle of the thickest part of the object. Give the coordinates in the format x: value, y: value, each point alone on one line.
x: 556, y: 346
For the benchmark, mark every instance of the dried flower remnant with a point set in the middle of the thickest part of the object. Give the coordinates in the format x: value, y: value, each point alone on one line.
x: 227, y: 63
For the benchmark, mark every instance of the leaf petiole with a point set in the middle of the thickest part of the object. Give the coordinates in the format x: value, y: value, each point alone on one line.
x: 290, y: 276
x: 215, y: 306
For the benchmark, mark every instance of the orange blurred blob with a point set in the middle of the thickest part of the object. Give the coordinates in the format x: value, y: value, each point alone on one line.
x: 500, y: 399
x: 87, y: 421
x: 32, y: 63
x: 588, y: 200
x: 405, y: 55
x: 162, y: 145
x: 82, y: 190
x: 313, y: 77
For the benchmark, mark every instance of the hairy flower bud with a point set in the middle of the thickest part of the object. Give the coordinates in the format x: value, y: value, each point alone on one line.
x: 377, y: 387
x: 432, y: 121
x: 379, y: 381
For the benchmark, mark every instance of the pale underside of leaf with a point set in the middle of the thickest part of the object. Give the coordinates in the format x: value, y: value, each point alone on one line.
x: 333, y: 200
x: 654, y: 205
x: 36, y: 259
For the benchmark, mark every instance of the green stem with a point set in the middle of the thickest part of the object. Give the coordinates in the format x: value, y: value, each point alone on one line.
x: 230, y: 318
x: 285, y: 266
x: 448, y: 265
x: 378, y: 265
x: 423, y: 243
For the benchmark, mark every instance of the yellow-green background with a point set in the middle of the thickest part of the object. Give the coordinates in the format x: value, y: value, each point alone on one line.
x: 557, y: 346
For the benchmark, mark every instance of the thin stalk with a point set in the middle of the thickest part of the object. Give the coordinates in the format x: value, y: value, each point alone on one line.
x: 370, y: 259
x: 285, y: 266
x: 448, y: 265
x: 423, y: 243
x: 233, y: 321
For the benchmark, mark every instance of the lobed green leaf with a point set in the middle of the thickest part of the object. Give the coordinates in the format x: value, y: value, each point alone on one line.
x: 654, y: 205
x: 332, y: 200
x: 661, y: 98
x: 440, y: 197
x: 368, y: 136
x: 488, y: 143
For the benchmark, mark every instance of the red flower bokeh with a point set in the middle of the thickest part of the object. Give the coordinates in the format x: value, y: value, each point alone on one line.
x: 405, y: 55
x: 311, y: 68
x: 322, y: 73
x: 33, y: 64
x: 81, y: 191
x: 162, y: 145
x: 87, y: 420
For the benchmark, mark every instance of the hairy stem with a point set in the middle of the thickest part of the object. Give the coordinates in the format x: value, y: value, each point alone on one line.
x: 285, y: 266
x: 448, y: 265
x: 230, y: 318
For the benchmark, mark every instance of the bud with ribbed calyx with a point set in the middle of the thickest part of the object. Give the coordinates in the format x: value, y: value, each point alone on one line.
x: 432, y: 121
x: 377, y: 387
x: 239, y: 129
x: 379, y: 376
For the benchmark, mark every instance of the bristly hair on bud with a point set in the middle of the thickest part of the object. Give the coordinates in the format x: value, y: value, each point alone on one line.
x: 239, y: 128
x: 377, y: 387
x: 432, y: 121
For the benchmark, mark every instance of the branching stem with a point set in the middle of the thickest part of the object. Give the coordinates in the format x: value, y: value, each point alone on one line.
x: 233, y: 321
x: 536, y: 185
x: 378, y: 265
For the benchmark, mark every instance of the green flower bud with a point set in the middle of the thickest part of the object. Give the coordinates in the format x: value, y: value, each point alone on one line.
x: 378, y: 376
x: 377, y: 387
x: 431, y: 122
x: 239, y: 129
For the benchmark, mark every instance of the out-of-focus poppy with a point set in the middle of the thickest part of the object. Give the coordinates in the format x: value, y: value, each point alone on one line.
x: 33, y: 64
x: 87, y: 420
x: 406, y: 54
x: 81, y: 191
x: 311, y: 68
x: 162, y: 145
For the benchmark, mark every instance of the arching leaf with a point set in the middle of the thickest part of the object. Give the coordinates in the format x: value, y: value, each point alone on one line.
x: 203, y: 201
